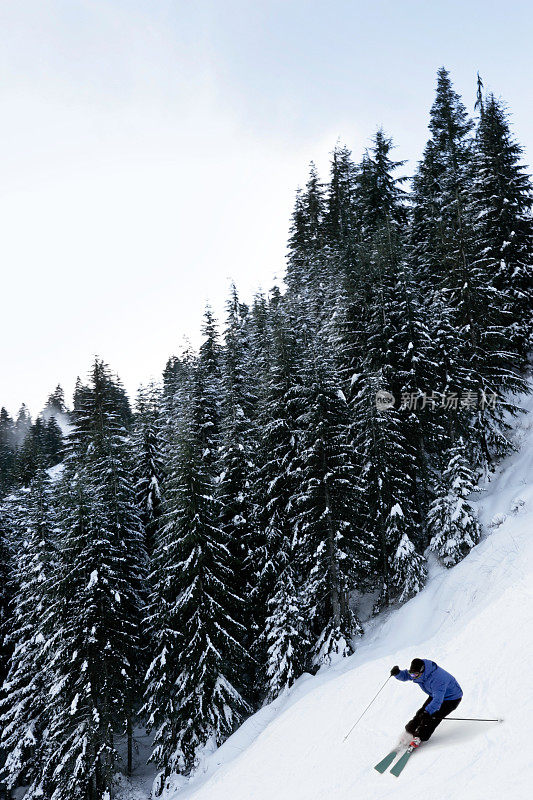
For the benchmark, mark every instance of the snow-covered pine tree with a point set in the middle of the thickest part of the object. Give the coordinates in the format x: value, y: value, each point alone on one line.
x: 148, y: 443
x: 55, y: 407
x: 53, y: 442
x: 407, y: 567
x: 286, y: 629
x: 440, y: 236
x: 192, y: 697
x: 98, y: 597
x: 208, y: 396
x: 42, y: 445
x: 309, y: 275
x: 282, y: 648
x: 22, y: 424
x: 386, y: 466
x: 464, y: 305
x: 368, y: 293
x: 501, y: 206
x: 25, y: 707
x: 258, y: 327
x: 175, y: 370
x: 28, y: 456
x: 364, y: 296
x: 5, y: 591
x: 452, y: 521
x: 381, y: 202
x: 237, y: 460
x: 259, y: 351
x: 441, y: 239
x: 7, y: 451
x: 380, y: 198
x: 56, y: 401
x: 341, y: 223
x: 395, y: 352
x: 414, y: 378
x: 335, y: 551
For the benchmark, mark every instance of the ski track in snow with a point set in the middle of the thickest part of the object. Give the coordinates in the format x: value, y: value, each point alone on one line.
x: 474, y: 620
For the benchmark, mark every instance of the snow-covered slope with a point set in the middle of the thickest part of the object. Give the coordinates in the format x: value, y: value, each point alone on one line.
x: 476, y: 620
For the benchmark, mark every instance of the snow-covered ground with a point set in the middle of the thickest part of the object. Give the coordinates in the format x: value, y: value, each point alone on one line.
x: 475, y: 620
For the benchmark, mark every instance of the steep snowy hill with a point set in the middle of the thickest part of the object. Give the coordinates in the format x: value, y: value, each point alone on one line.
x: 476, y: 620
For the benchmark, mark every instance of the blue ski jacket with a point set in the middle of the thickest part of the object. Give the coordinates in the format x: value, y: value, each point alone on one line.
x: 436, y: 682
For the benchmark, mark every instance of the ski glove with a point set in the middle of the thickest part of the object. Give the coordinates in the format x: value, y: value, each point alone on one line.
x: 394, y: 671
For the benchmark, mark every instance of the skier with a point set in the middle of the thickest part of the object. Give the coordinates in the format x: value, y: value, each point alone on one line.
x: 444, y: 692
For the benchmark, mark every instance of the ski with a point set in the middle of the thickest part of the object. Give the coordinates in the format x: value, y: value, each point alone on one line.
x: 386, y: 762
x: 400, y: 764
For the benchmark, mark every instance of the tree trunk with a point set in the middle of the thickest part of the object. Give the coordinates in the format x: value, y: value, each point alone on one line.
x: 333, y: 566
x: 130, y: 744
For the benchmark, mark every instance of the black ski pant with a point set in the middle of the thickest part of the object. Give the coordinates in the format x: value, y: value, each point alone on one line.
x: 423, y: 725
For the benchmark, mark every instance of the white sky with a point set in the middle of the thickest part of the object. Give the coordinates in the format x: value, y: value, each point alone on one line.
x: 149, y: 153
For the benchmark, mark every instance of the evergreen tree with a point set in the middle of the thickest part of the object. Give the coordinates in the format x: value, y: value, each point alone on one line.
x: 5, y: 592
x: 53, y: 442
x: 341, y: 222
x: 25, y: 706
x: 237, y: 457
x: 286, y: 630
x: 55, y: 405
x: 382, y: 208
x: 386, y: 466
x: 440, y: 188
x: 465, y: 308
x: 283, y: 644
x: 191, y: 697
x: 308, y: 268
x: 173, y: 374
x: 414, y: 376
x: 259, y: 350
x: 98, y: 597
x: 30, y: 454
x: 42, y: 445
x: 22, y: 424
x: 441, y: 230
x: 7, y: 451
x: 335, y: 550
x: 408, y: 571
x: 208, y: 393
x: 380, y: 198
x: 384, y: 346
x: 375, y: 307
x: 452, y: 520
x: 148, y: 443
x: 501, y: 207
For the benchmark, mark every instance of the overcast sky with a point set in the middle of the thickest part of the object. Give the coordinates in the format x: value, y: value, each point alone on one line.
x: 150, y: 149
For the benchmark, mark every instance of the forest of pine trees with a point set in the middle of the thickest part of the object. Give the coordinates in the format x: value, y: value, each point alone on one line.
x: 188, y: 559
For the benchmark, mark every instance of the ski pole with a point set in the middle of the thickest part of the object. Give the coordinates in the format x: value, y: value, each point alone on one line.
x: 474, y: 719
x: 366, y: 709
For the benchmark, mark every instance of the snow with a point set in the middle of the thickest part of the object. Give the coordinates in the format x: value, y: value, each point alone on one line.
x: 474, y: 620
x: 93, y: 579
x: 74, y: 705
x: 56, y: 472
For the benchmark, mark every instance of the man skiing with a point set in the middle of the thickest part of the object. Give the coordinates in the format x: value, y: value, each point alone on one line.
x: 444, y: 692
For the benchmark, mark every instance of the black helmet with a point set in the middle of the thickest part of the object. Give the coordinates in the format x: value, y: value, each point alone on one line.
x: 417, y: 666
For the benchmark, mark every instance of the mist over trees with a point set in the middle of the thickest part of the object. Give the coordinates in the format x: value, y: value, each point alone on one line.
x: 190, y: 557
